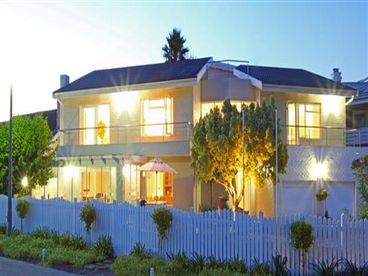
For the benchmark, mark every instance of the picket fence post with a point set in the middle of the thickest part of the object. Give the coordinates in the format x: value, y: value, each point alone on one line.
x: 261, y: 241
x: 74, y: 216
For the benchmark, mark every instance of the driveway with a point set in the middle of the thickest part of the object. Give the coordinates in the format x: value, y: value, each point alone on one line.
x: 9, y: 267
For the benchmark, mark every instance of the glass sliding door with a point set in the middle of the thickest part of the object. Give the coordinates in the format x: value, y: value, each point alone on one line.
x: 96, y: 124
x: 131, y: 184
x: 89, y: 119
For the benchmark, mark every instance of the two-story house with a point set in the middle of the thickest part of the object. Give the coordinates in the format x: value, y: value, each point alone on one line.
x: 112, y: 121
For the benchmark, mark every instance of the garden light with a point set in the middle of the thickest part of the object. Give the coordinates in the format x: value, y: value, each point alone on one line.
x: 24, y: 182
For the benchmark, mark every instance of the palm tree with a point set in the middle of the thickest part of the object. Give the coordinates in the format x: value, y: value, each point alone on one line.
x: 174, y: 50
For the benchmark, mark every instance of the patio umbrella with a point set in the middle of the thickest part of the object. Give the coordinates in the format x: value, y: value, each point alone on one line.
x: 156, y: 165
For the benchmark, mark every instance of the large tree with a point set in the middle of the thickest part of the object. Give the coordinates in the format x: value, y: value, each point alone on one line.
x: 217, y: 147
x: 33, y: 153
x: 174, y: 50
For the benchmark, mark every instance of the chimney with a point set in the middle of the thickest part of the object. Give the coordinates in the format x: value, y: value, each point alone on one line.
x: 64, y: 80
x: 336, y: 75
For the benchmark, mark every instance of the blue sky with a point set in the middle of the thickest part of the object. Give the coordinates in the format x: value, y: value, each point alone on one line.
x: 41, y: 39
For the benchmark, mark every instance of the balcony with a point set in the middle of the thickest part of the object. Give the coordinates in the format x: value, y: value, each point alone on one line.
x: 316, y: 136
x: 128, y: 134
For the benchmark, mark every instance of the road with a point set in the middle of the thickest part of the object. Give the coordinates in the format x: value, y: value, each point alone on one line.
x: 9, y: 267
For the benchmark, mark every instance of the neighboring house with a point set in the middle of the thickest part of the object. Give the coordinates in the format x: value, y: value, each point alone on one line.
x: 357, y: 114
x: 112, y: 121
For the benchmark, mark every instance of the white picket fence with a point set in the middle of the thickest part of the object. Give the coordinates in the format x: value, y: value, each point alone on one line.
x: 217, y: 233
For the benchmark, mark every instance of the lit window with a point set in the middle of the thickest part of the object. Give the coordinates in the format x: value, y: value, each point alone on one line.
x: 96, y: 122
x: 304, y: 122
x: 158, y: 117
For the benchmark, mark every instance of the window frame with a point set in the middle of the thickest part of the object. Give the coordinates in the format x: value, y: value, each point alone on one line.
x: 299, y: 131
x: 168, y: 109
x: 82, y: 126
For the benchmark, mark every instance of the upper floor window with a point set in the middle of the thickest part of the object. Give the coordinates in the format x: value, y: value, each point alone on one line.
x: 158, y: 117
x: 304, y: 122
x: 207, y: 106
x: 95, y: 124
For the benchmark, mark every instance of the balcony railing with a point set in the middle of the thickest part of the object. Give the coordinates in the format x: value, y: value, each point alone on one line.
x: 147, y: 133
x: 310, y: 135
x: 357, y: 137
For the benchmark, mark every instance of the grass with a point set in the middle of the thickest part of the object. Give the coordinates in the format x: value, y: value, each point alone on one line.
x: 26, y: 247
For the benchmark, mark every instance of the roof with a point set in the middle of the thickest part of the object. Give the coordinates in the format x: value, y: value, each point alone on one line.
x: 362, y: 87
x: 290, y: 76
x: 159, y: 72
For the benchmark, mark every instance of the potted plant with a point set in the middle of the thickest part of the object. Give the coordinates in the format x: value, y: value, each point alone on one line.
x: 321, y: 196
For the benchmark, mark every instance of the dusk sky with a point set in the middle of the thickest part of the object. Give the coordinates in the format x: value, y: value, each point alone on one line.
x: 40, y: 40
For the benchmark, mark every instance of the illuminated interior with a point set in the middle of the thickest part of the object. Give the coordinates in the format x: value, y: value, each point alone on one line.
x: 159, y: 188
x: 207, y: 106
x: 304, y: 122
x: 131, y: 183
x: 96, y: 184
x: 158, y: 117
x: 96, y: 123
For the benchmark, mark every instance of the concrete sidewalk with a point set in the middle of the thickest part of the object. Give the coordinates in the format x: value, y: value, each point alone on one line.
x: 9, y: 267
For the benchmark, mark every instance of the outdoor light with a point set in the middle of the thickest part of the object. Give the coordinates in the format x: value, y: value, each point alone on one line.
x: 330, y: 103
x: 319, y: 170
x: 125, y: 101
x: 70, y: 172
x: 24, y: 182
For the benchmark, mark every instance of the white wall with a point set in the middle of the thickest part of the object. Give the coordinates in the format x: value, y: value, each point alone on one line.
x: 298, y: 186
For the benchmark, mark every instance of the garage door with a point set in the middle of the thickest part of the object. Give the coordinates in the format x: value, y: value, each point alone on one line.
x: 340, y: 196
x: 297, y: 198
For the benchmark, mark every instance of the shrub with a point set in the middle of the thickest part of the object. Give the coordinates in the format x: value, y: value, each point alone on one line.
x: 163, y: 219
x: 236, y: 265
x: 259, y: 268
x: 182, y: 260
x: 3, y: 228
x: 15, y: 232
x: 197, y: 263
x: 326, y: 267
x: 22, y: 209
x: 76, y: 242
x: 301, y: 235
x: 279, y: 265
x: 353, y: 269
x: 140, y: 251
x: 40, y: 232
x: 88, y: 216
x: 104, y: 247
x: 132, y: 265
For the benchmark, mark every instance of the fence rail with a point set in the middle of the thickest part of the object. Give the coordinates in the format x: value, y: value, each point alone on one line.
x: 216, y: 233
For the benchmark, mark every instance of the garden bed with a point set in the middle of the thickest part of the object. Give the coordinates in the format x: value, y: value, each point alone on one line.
x: 64, y: 252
